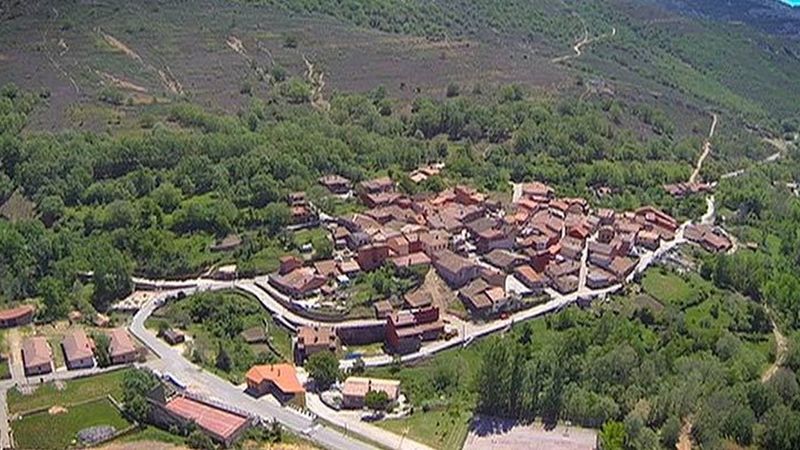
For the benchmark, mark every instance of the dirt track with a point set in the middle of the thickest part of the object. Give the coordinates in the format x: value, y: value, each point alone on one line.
x: 706, y: 150
x: 585, y: 40
x: 781, y: 350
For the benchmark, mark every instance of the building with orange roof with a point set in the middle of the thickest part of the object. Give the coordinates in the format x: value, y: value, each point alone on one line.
x: 280, y: 380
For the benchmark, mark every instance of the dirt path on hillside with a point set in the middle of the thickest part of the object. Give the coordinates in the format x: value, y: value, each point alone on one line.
x: 236, y: 44
x: 165, y: 74
x: 62, y: 45
x: 119, y: 45
x: 706, y: 150
x: 317, y: 82
x: 585, y: 40
x: 120, y: 83
x: 781, y: 351
x: 685, y: 438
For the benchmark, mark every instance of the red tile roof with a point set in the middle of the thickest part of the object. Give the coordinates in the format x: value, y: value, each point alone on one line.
x: 219, y: 422
x: 283, y: 376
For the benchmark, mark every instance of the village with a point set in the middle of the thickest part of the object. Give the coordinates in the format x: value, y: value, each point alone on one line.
x: 472, y: 265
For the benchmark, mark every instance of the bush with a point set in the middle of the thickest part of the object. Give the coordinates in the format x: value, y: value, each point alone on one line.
x: 199, y: 440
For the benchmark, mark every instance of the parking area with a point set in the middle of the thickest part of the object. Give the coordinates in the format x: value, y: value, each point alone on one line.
x: 494, y: 434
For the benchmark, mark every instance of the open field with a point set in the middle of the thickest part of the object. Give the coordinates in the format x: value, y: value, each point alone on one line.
x: 74, y: 391
x: 45, y: 431
x: 446, y: 429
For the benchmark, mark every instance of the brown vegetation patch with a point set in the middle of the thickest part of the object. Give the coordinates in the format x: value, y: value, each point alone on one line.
x: 17, y: 207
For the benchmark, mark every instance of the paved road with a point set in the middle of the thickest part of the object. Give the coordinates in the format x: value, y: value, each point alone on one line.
x: 210, y: 385
x: 356, y: 425
x: 268, y: 296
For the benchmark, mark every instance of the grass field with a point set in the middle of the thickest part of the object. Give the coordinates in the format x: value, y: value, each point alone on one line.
x: 444, y: 430
x: 75, y: 391
x: 151, y: 434
x: 668, y: 288
x: 43, y: 431
x: 445, y: 424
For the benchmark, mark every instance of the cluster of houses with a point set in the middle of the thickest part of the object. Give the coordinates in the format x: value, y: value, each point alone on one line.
x: 683, y: 190
x: 281, y: 381
x: 712, y: 239
x: 491, y: 256
x: 79, y: 351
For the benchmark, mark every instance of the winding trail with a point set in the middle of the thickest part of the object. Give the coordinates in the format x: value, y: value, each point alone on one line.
x: 781, y: 351
x: 706, y: 149
x: 317, y: 84
x: 585, y: 40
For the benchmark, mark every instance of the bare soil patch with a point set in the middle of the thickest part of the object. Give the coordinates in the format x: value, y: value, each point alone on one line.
x: 120, y: 83
x: 119, y: 45
x: 57, y: 409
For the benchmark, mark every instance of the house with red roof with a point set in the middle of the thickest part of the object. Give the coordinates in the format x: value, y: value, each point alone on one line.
x: 37, y: 356
x: 121, y: 348
x: 13, y: 317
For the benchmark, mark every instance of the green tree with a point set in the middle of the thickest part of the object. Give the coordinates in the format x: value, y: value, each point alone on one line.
x: 112, y: 279
x: 101, y: 350
x: 167, y: 196
x: 54, y: 298
x: 51, y: 209
x: 136, y: 384
x: 377, y: 401
x: 323, y: 368
x: 613, y: 436
x: 671, y: 431
x: 200, y: 441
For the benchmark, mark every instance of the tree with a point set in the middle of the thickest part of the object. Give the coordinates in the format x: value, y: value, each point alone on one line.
x: 613, y: 436
x: 51, y: 209
x: 101, y: 351
x: 112, y: 279
x: 54, y: 298
x: 167, y: 196
x: 670, y: 432
x: 200, y: 441
x: 323, y: 367
x: 136, y: 384
x: 781, y: 429
x: 223, y: 362
x: 377, y: 401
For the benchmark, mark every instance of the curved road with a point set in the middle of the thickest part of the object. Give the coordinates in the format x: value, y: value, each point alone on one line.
x: 173, y: 362
x: 200, y: 381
